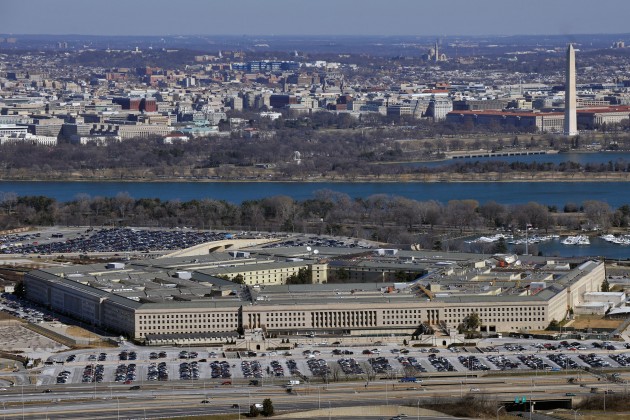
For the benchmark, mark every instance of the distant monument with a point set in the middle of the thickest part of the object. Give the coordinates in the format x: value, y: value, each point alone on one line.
x: 433, y: 54
x: 437, y: 52
x: 570, y: 102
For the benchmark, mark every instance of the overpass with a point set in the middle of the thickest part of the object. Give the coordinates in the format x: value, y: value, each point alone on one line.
x: 217, y: 246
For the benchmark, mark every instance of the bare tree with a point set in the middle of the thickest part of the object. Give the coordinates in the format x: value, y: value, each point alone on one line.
x: 598, y: 213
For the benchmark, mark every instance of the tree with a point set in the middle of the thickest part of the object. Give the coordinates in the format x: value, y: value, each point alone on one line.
x: 553, y: 324
x: 267, y: 409
x: 472, y: 321
x: 20, y: 289
x: 598, y: 213
x: 303, y: 276
x: 605, y: 286
x: 238, y: 279
x: 253, y: 411
x: 335, y: 372
x: 368, y: 369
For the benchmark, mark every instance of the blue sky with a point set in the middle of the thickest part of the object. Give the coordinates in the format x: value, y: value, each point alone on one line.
x: 314, y: 17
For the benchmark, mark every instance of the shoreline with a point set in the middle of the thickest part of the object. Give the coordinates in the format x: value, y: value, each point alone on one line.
x: 405, y: 178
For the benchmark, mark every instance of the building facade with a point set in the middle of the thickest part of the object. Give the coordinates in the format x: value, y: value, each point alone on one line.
x: 143, y: 299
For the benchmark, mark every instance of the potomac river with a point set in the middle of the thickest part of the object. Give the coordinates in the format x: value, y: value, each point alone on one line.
x: 547, y: 193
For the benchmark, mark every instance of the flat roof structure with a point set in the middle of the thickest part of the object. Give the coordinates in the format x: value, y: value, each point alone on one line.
x: 193, y: 298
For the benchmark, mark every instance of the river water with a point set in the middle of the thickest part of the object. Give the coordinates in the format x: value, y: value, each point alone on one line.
x: 547, y: 193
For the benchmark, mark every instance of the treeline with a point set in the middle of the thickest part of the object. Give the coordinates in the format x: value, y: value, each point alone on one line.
x: 378, y: 217
x: 325, y: 155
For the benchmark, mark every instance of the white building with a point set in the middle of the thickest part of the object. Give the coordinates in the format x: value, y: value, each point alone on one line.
x: 28, y: 138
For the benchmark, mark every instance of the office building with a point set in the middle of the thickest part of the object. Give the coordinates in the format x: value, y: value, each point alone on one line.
x: 174, y: 299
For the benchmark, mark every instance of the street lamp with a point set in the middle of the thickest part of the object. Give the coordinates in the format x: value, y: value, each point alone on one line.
x: 418, y: 411
x: 499, y: 409
x: 531, y: 408
x: 575, y: 413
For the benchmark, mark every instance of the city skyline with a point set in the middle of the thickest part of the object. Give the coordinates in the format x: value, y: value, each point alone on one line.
x: 284, y: 17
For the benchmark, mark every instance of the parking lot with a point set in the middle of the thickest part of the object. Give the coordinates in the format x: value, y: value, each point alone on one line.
x: 318, y: 361
x: 111, y: 240
x: 146, y: 365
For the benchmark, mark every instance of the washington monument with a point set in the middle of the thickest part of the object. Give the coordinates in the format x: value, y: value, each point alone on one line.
x: 570, y: 103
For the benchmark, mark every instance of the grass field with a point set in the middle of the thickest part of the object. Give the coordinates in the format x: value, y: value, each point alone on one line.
x: 594, y: 322
x: 79, y: 332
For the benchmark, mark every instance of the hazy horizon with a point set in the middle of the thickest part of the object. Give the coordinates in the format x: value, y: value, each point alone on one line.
x: 326, y: 17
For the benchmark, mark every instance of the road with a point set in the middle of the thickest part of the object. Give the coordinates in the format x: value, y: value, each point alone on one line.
x: 168, y: 400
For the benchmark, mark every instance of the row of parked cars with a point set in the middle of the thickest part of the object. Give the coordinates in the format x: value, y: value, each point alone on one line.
x: 155, y: 355
x: 125, y: 355
x: 118, y: 240
x: 594, y: 360
x: 564, y: 361
x: 349, y: 366
x: 220, y: 369
x: 441, y: 364
x: 380, y: 364
x: 251, y: 369
x: 276, y: 368
x: 93, y: 373
x: 605, y: 345
x: 622, y: 359
x: 63, y: 377
x: 125, y: 373
x: 101, y: 357
x: 503, y: 363
x: 157, y: 372
x: 534, y: 362
x: 319, y: 242
x: 14, y: 307
x: 472, y: 363
x: 318, y: 367
x: 189, y: 370
x: 293, y: 369
x: 188, y: 355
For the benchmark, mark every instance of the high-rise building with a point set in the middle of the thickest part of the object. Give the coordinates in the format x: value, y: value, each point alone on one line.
x: 570, y: 102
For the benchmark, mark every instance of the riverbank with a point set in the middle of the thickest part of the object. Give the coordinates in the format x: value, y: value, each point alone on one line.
x: 408, y: 177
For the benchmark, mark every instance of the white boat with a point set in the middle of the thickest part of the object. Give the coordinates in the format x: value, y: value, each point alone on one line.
x: 576, y: 240
x: 570, y: 240
x: 619, y: 240
x: 583, y: 240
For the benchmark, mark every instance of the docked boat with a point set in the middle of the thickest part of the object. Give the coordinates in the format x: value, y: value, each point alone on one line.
x: 576, y: 240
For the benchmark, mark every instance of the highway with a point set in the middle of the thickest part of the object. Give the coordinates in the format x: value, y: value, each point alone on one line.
x: 80, y: 402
